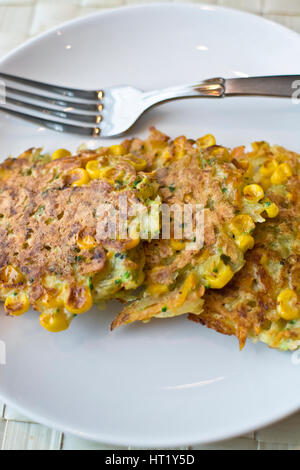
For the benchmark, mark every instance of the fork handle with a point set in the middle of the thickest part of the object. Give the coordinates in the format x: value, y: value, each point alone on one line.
x: 283, y: 86
x: 276, y: 86
x: 213, y: 88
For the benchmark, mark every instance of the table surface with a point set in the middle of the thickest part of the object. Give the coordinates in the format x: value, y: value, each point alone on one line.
x: 23, y: 19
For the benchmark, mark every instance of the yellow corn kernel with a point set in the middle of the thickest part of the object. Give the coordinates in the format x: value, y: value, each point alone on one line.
x: 132, y: 243
x: 248, y: 168
x: 54, y: 323
x: 219, y: 279
x: 157, y: 289
x: 137, y: 163
x: 268, y: 168
x: 179, y: 153
x: 50, y: 300
x: 79, y: 299
x: 265, y: 183
x: 177, y: 245
x: 285, y: 167
x: 117, y: 150
x: 253, y: 192
x: 60, y: 153
x: 93, y: 169
x: 289, y: 197
x: 105, y: 174
x: 221, y: 153
x: 17, y: 304
x: 264, y: 259
x: 78, y: 177
x: 260, y: 147
x: 188, y: 286
x: 245, y: 242
x: 188, y: 199
x: 10, y: 275
x: 242, y: 223
x: 288, y: 305
x: 165, y: 156
x: 87, y: 243
x: 180, y: 147
x: 111, y: 174
x: 206, y: 141
x: 4, y: 174
x: 272, y: 210
x: 281, y: 174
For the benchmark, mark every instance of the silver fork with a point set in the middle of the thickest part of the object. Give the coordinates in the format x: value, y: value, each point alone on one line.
x: 112, y: 111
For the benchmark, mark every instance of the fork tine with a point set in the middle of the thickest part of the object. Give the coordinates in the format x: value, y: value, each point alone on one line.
x: 86, y: 118
x: 69, y: 92
x: 53, y: 125
x: 56, y: 102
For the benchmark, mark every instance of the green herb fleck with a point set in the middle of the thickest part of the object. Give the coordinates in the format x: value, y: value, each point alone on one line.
x: 210, y: 203
x: 40, y: 210
x: 225, y: 258
x: 120, y: 255
x: 38, y: 157
x: 137, y: 181
x: 91, y: 286
x: 118, y: 184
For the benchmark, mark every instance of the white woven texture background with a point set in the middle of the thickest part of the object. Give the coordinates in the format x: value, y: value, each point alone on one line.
x: 23, y: 19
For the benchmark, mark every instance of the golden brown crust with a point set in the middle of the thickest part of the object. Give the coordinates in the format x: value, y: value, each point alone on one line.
x: 248, y: 305
x: 39, y: 229
x: 188, y: 174
x: 42, y: 217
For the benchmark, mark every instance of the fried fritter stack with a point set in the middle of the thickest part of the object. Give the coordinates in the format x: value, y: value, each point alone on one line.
x: 200, y: 172
x: 52, y: 256
x: 243, y: 280
x: 262, y: 301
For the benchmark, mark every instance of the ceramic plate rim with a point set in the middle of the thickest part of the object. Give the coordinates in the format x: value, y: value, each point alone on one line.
x: 161, y: 443
x: 117, y: 10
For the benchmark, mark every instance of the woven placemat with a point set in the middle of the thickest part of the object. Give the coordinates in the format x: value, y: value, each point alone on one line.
x: 23, y: 19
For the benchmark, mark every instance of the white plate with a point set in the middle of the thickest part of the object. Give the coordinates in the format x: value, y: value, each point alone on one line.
x: 168, y: 383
